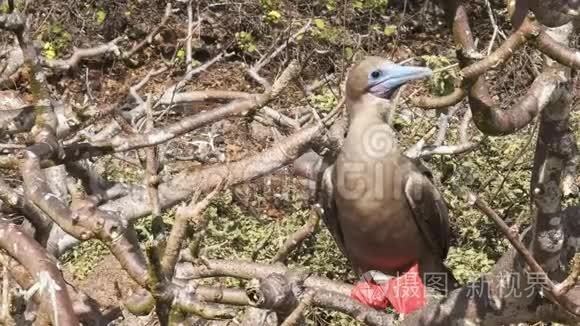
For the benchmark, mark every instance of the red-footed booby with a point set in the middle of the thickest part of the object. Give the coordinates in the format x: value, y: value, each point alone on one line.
x: 380, y: 206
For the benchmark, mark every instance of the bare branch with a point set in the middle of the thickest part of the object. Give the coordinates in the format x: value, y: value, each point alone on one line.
x: 41, y: 266
x: 149, y: 38
x: 470, y: 73
x: 183, y: 216
x: 80, y: 54
x: 486, y: 116
x: 557, y: 51
x: 135, y: 88
x: 277, y: 291
x: 84, y: 307
x: 429, y: 151
x: 163, y: 134
x: 556, y: 145
x: 440, y: 102
x: 297, y: 315
x: 464, y: 128
x: 482, y: 205
x: 188, y: 58
x: 526, y: 31
x: 249, y: 270
x: 254, y: 71
x: 297, y: 237
x: 554, y: 292
x: 207, y: 95
x: 179, y: 188
x: 6, y: 298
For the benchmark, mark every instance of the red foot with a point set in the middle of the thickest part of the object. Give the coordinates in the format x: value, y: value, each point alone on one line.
x: 405, y: 293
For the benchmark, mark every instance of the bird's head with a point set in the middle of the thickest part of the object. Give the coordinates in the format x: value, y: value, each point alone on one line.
x: 380, y: 77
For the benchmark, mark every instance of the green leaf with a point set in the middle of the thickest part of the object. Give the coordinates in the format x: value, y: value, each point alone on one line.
x: 4, y: 8
x: 390, y: 30
x: 348, y: 53
x: 195, y: 63
x: 55, y: 29
x: 100, y: 16
x: 274, y: 15
x: 180, y: 55
x: 49, y: 51
x: 331, y: 5
x: 320, y: 23
x: 252, y: 48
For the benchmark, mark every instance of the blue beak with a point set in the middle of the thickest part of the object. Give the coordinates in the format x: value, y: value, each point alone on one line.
x: 394, y: 76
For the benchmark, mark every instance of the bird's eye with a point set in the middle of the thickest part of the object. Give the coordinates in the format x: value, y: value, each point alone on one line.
x: 376, y: 74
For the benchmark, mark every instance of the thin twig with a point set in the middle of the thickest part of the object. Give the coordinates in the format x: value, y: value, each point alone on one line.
x: 188, y: 50
x: 254, y: 71
x: 464, y: 127
x: 554, y: 291
x: 494, y: 24
x: 297, y: 237
x: 296, y: 316
x: 265, y: 60
x: 483, y: 206
x: 152, y: 166
x: 183, y: 216
x: 149, y: 38
x: 135, y: 88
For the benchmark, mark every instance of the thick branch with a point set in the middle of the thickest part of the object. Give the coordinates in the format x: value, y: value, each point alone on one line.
x: 555, y: 146
x: 472, y: 73
x: 249, y: 270
x: 41, y: 266
x: 179, y: 188
x: 557, y: 293
x: 557, y: 51
x: 277, y: 291
x: 486, y: 115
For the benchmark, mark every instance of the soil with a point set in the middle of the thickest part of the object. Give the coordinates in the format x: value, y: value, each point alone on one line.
x: 104, y: 282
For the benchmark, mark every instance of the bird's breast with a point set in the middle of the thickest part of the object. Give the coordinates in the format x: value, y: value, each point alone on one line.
x: 377, y: 222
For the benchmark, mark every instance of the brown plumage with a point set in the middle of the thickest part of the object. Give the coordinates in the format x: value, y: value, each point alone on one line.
x: 381, y: 207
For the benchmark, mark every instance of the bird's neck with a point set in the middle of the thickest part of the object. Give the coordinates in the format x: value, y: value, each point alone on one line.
x: 368, y: 130
x: 368, y: 108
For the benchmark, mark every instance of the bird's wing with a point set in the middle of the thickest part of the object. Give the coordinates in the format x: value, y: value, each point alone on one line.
x: 424, y: 170
x: 326, y: 198
x: 430, y: 212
